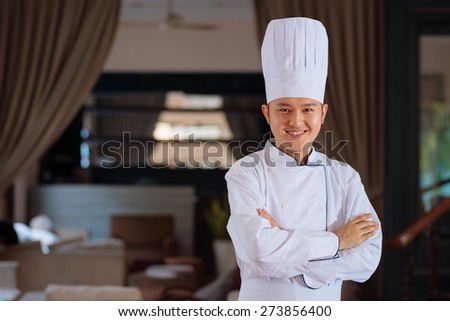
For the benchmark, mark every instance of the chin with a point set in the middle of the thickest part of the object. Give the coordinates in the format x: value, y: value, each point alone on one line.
x: 295, y: 146
x: 289, y: 149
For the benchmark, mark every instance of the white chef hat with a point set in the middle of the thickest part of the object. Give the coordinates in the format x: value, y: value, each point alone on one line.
x: 294, y: 57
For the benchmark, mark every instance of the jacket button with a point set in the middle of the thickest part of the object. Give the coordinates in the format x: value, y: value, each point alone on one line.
x: 283, y: 206
x: 322, y: 204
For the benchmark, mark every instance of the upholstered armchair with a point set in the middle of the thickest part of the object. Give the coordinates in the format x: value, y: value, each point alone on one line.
x: 57, y: 292
x: 148, y: 239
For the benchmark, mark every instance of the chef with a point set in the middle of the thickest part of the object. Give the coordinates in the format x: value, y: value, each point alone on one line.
x: 301, y: 223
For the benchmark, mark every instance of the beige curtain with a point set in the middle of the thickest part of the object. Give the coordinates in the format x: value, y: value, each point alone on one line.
x: 51, y: 54
x: 355, y: 87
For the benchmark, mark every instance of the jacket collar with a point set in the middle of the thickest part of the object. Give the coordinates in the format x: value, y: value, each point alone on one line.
x: 278, y: 156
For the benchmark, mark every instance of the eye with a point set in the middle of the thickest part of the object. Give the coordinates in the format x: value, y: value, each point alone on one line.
x: 308, y: 110
x: 284, y: 110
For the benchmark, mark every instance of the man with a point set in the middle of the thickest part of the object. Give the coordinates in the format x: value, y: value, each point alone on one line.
x: 300, y: 222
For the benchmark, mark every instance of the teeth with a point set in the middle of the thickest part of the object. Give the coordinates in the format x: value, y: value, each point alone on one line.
x: 296, y: 133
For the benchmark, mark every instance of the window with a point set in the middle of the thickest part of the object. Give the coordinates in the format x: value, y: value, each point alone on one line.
x: 171, y: 129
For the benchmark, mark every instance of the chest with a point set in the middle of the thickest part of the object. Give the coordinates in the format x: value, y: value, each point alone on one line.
x: 298, y: 197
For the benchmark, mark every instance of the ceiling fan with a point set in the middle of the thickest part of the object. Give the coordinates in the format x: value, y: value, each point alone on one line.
x: 173, y: 20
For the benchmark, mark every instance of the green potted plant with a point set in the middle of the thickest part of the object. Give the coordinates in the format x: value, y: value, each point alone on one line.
x: 216, y: 216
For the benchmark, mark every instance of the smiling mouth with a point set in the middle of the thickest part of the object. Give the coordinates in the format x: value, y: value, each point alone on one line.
x: 296, y: 132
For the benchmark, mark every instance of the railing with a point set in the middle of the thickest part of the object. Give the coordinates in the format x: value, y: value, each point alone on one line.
x: 404, y: 240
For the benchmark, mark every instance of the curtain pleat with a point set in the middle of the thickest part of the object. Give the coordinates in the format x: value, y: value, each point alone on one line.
x: 51, y: 54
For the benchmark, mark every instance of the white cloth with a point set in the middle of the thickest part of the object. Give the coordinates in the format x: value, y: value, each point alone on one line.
x: 25, y: 233
x: 41, y: 222
x: 301, y: 261
x: 294, y: 57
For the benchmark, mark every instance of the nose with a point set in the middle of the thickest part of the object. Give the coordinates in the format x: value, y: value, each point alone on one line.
x: 296, y: 118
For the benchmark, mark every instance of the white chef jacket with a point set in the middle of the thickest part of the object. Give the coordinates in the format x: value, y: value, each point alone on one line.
x: 300, y: 261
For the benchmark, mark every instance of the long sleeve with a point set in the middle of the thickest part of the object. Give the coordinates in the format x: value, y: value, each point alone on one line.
x: 356, y: 264
x: 264, y: 250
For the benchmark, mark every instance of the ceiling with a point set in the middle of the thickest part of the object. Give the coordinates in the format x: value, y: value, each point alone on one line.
x: 192, y: 10
x: 199, y: 36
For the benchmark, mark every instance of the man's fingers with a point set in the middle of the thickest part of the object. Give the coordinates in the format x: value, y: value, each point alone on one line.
x: 367, y: 224
x: 357, y: 231
x: 369, y: 230
x: 262, y: 212
x: 362, y: 218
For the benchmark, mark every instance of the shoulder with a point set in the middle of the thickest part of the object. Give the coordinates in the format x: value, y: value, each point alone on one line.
x: 250, y: 164
x: 339, y: 168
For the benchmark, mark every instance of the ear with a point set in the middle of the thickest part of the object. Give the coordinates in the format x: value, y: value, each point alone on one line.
x: 265, y: 111
x: 324, y: 112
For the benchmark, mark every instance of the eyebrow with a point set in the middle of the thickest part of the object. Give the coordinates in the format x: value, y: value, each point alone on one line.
x: 281, y: 104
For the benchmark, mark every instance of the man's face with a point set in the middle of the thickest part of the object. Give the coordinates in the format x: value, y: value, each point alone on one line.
x: 295, y: 123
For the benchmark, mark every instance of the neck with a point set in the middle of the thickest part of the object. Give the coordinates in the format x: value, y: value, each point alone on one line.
x: 300, y: 156
x: 302, y: 159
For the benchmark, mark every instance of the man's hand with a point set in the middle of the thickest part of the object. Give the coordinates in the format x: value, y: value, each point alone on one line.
x: 350, y: 235
x: 264, y: 214
x: 356, y: 231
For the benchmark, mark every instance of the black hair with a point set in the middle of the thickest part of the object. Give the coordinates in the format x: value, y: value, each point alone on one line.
x: 8, y: 235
